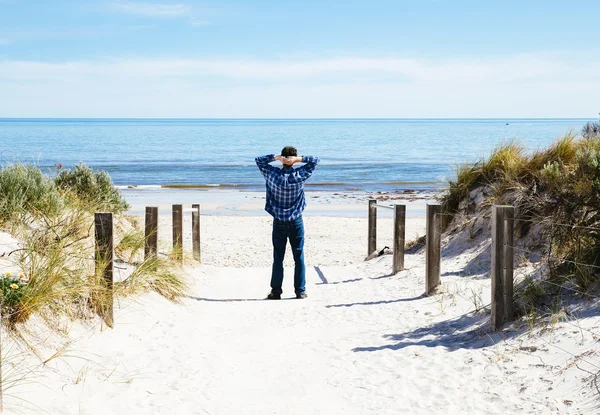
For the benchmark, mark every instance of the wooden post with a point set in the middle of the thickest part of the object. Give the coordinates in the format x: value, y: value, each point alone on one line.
x: 497, y: 316
x: 399, y: 237
x: 502, y: 265
x: 196, y: 233
x: 372, y: 233
x: 151, y: 240
x: 509, y: 222
x: 433, y: 240
x: 178, y: 232
x: 104, y: 264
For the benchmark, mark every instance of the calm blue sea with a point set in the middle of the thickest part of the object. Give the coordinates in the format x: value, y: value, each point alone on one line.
x: 361, y: 154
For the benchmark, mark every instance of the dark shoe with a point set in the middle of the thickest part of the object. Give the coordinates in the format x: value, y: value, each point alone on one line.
x: 273, y: 296
x: 301, y: 296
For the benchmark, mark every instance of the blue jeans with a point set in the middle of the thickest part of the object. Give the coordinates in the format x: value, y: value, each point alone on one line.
x: 294, y: 231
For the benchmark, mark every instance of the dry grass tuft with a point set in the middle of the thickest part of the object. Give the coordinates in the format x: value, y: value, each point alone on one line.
x: 155, y: 274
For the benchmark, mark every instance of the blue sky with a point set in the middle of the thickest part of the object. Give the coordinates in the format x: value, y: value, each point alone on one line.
x: 308, y: 58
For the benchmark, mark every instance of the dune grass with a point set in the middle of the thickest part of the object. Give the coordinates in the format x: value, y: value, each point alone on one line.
x: 154, y: 275
x: 555, y: 191
x: 59, y: 278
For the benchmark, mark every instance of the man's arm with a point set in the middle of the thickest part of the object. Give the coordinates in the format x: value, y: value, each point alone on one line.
x: 302, y: 173
x: 263, y: 163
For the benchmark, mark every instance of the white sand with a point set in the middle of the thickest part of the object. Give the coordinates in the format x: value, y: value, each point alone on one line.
x: 364, y: 342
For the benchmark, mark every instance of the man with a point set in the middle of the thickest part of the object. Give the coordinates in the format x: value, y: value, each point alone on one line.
x: 286, y: 202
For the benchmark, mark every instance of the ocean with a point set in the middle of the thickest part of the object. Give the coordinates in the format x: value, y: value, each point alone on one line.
x: 356, y: 154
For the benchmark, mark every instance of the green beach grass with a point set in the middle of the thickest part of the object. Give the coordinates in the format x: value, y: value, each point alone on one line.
x: 555, y: 193
x: 53, y: 217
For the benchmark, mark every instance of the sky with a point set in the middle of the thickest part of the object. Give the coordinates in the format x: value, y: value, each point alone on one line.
x: 299, y: 59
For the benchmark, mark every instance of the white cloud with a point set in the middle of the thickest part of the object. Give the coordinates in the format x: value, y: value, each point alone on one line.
x: 517, y: 86
x: 518, y: 68
x: 198, y: 22
x: 152, y: 9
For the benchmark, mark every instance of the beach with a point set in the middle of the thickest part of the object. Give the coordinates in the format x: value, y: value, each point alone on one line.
x: 364, y: 341
x: 433, y: 170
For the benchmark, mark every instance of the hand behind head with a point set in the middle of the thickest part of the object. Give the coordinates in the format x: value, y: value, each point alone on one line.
x: 287, y: 161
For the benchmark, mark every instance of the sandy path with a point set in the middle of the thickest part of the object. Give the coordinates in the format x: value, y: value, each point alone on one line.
x: 364, y: 342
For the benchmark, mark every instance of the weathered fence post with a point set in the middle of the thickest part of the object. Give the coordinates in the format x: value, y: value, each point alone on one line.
x: 104, y: 264
x: 372, y: 235
x: 399, y: 237
x: 502, y: 265
x: 433, y: 240
x: 196, y: 233
x: 178, y: 232
x: 509, y: 223
x: 151, y: 237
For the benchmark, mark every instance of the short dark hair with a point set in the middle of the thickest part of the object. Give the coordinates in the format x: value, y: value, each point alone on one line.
x: 289, y: 151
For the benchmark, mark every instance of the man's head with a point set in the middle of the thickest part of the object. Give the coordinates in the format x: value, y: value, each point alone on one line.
x: 289, y: 151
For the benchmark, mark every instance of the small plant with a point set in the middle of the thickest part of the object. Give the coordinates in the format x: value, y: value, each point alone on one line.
x: 476, y: 299
x: 415, y: 244
x: 552, y: 170
x: 532, y: 318
x: 440, y: 300
x: 12, y: 289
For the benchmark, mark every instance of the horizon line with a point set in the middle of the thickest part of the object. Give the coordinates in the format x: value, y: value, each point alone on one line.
x: 293, y: 118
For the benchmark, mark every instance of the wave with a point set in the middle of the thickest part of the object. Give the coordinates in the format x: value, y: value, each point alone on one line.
x: 202, y: 186
x: 138, y: 186
x: 321, y: 185
x: 181, y: 164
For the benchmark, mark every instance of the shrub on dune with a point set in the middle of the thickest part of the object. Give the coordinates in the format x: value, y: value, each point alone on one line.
x: 92, y: 187
x: 591, y: 130
x: 25, y: 189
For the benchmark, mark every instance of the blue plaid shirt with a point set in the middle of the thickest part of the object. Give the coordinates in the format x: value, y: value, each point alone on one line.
x: 285, y: 186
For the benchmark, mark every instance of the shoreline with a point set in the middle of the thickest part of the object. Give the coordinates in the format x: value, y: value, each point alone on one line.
x: 390, y: 186
x: 238, y: 202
